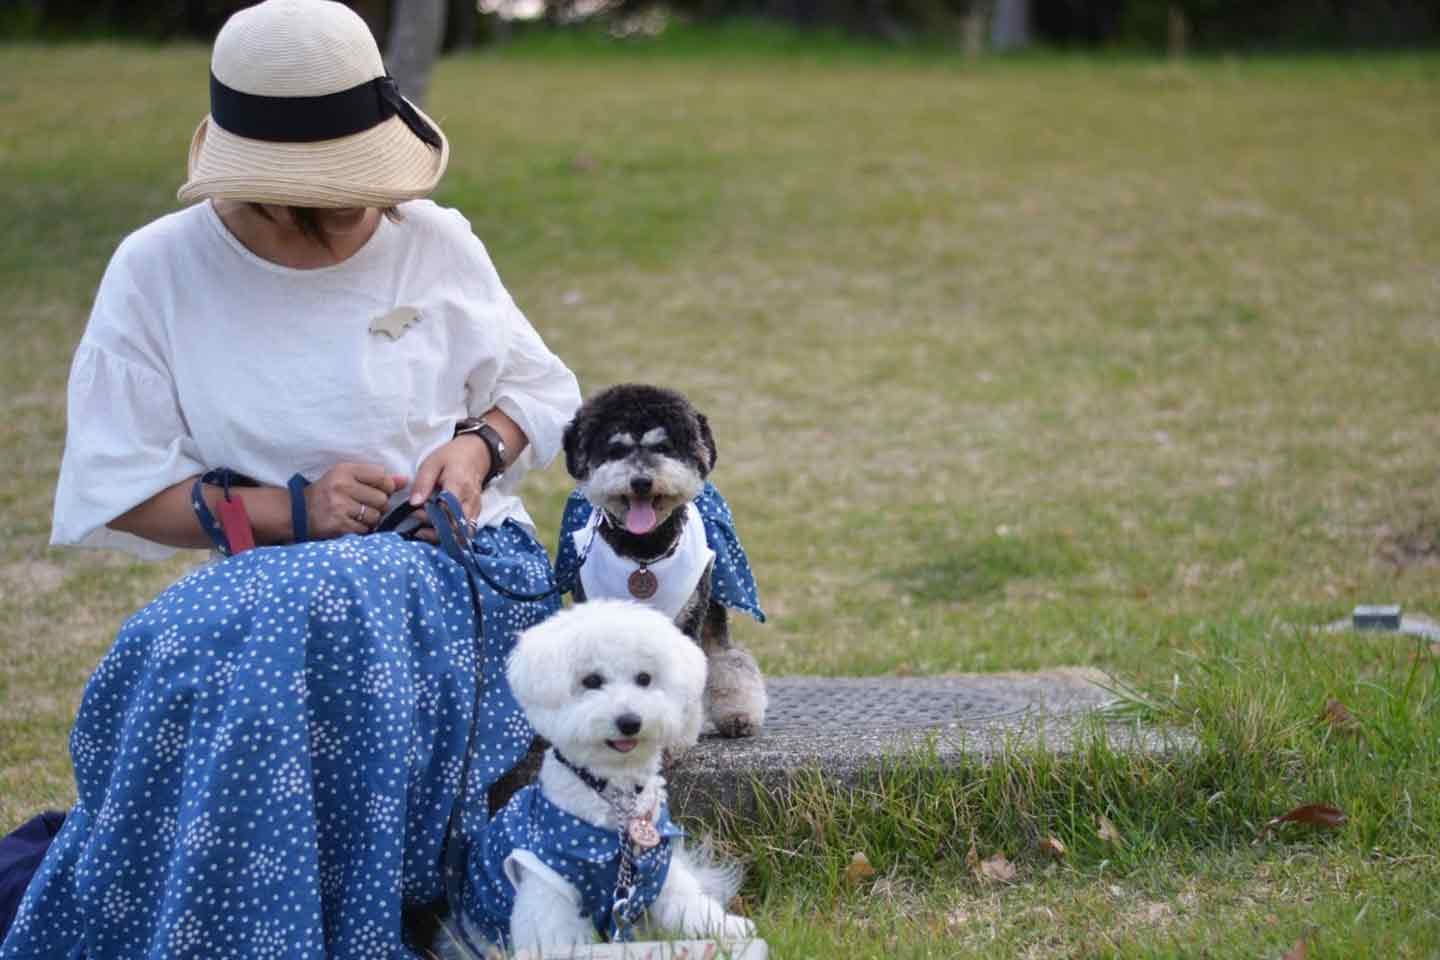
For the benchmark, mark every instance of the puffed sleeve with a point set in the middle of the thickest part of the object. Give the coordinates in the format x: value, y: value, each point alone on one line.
x: 534, y: 388
x: 125, y: 438
x: 523, y: 378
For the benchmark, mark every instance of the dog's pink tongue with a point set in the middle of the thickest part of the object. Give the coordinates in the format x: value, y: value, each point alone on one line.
x: 640, y: 518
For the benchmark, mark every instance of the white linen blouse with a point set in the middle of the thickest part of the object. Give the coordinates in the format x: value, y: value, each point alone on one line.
x: 200, y: 354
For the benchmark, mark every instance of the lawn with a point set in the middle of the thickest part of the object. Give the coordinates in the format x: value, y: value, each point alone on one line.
x: 1011, y: 364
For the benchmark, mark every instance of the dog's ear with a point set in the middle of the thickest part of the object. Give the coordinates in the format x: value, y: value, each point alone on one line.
x: 575, y: 441
x: 707, y: 454
x: 689, y: 667
x: 539, y: 671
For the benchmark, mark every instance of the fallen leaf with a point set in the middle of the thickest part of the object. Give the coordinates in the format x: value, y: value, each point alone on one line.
x: 997, y: 869
x: 1052, y: 848
x: 1157, y: 912
x: 1339, y: 716
x: 859, y: 870
x: 1107, y: 831
x: 1300, y: 951
x: 1314, y: 815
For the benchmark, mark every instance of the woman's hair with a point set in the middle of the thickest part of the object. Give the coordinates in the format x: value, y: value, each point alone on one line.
x: 307, y: 220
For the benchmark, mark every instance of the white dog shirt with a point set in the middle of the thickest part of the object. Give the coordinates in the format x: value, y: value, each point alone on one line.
x: 606, y: 574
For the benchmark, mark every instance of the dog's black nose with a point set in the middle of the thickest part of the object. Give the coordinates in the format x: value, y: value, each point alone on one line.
x: 628, y: 724
x: 642, y: 486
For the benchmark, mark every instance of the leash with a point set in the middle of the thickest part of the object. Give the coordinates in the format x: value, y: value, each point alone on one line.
x: 445, y: 515
x: 626, y: 907
x: 453, y: 530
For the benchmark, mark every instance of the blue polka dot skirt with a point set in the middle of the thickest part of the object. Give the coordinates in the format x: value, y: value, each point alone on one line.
x: 268, y: 756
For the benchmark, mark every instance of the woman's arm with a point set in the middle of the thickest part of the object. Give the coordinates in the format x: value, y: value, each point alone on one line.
x: 461, y: 465
x: 332, y: 505
x: 168, y: 517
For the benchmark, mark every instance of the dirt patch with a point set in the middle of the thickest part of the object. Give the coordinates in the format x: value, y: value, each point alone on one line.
x: 31, y: 576
x: 1416, y: 545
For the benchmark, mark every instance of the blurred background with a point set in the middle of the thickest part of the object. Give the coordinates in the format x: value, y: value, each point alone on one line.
x: 1033, y: 333
x: 970, y: 25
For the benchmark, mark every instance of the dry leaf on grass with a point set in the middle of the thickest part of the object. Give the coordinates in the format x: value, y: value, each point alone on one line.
x: 1107, y: 832
x: 1315, y: 815
x: 1312, y: 815
x: 1052, y: 848
x: 859, y: 869
x: 996, y: 869
x: 1339, y: 716
x: 1300, y: 951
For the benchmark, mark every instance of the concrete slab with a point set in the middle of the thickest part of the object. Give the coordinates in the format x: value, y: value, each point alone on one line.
x: 1411, y: 625
x: 658, y: 950
x: 847, y: 727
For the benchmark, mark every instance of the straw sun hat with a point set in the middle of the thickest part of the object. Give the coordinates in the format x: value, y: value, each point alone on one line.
x: 303, y: 113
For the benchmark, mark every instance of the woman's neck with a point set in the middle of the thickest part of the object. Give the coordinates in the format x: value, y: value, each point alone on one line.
x: 270, y: 234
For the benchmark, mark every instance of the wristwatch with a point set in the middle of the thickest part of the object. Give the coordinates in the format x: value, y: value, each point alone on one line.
x: 492, y: 439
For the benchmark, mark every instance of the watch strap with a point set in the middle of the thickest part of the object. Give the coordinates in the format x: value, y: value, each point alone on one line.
x: 492, y: 439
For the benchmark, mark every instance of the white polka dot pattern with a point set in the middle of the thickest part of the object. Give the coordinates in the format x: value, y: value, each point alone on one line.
x: 582, y: 853
x: 268, y: 755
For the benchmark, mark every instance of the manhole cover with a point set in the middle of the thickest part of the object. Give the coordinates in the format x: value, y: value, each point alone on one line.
x: 868, y: 704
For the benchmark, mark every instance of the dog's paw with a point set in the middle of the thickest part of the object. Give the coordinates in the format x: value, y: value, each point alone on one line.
x: 736, y: 726
x: 737, y: 928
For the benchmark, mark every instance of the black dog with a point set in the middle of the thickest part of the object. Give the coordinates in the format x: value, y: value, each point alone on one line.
x: 641, y: 455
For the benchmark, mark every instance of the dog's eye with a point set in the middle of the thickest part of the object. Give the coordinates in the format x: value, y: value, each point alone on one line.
x: 616, y: 451
x: 642, y: 679
x: 592, y: 681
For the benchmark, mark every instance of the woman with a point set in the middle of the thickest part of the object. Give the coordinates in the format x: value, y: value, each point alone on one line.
x: 268, y: 757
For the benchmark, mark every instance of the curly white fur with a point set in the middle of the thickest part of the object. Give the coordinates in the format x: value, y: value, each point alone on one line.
x: 647, y: 672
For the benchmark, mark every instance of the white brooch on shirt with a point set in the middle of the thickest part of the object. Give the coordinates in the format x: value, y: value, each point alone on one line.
x: 396, y: 322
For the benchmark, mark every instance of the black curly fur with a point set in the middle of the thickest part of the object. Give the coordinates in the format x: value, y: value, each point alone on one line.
x: 635, y: 408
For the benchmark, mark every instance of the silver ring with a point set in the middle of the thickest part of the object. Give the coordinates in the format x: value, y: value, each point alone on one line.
x: 360, y: 514
x: 472, y: 527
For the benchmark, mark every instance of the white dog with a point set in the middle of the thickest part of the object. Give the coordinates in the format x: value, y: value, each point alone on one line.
x: 590, y: 847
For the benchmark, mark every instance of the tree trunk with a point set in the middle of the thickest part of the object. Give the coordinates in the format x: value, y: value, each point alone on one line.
x: 467, y: 21
x: 416, y: 29
x: 972, y: 30
x: 1179, y: 30
x: 1010, y: 25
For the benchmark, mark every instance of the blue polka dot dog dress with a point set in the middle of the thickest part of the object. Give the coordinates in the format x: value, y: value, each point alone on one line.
x: 268, y: 756
x: 583, y: 854
x: 731, y: 580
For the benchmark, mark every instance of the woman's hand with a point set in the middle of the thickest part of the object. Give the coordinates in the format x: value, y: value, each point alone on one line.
x: 458, y: 467
x: 349, y: 498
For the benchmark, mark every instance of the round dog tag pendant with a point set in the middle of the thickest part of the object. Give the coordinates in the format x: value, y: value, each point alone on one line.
x: 642, y: 584
x: 643, y: 833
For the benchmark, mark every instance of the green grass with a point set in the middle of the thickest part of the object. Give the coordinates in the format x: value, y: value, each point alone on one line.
x: 1019, y: 364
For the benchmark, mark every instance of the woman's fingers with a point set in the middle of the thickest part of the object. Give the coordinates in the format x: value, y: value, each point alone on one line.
x: 373, y: 497
x: 374, y: 476
x: 425, y: 478
x: 468, y: 493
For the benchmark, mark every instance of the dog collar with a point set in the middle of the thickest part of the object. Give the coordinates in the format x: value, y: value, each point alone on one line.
x: 732, y: 582
x: 598, y: 784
